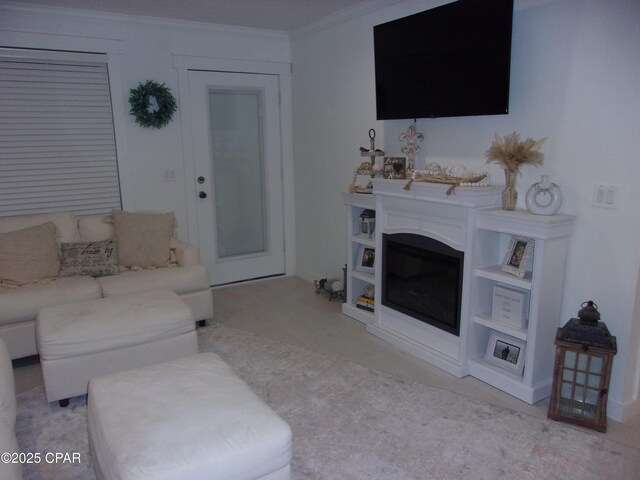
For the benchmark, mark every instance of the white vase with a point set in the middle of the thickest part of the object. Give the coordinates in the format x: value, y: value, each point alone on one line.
x: 543, y: 197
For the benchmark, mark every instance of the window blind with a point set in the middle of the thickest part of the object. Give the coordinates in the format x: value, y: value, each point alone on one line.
x: 57, y: 142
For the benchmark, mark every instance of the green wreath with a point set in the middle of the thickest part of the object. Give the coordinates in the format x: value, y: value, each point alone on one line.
x: 152, y: 104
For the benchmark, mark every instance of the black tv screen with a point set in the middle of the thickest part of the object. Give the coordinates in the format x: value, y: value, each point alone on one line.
x: 449, y: 61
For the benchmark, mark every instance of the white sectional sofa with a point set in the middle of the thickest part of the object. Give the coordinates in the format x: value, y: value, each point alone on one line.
x: 19, y: 305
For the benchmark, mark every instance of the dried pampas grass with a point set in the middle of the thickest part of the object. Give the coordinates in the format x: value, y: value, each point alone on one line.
x: 510, y: 152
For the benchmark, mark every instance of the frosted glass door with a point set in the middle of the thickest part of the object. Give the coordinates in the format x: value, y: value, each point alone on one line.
x: 238, y: 174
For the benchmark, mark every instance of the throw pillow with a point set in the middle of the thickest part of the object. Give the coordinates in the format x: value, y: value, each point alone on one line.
x: 143, y: 239
x: 96, y: 259
x: 30, y: 254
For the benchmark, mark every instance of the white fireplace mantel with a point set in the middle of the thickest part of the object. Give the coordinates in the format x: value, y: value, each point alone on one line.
x: 469, y: 222
x: 426, y: 209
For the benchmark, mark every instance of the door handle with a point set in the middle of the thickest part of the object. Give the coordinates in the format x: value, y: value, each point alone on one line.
x: 201, y: 179
x: 202, y: 194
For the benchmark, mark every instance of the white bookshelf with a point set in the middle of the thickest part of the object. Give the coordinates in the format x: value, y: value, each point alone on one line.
x: 543, y: 283
x: 356, y: 281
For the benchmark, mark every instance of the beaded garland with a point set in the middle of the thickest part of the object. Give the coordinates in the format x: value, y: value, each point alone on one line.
x: 431, y: 175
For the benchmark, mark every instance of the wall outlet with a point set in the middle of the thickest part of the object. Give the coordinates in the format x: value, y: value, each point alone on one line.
x: 605, y: 196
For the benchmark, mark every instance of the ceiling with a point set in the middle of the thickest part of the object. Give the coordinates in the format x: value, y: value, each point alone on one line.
x: 287, y: 15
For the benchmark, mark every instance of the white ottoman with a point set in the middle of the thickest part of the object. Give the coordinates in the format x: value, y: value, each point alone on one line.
x: 79, y: 341
x: 190, y: 418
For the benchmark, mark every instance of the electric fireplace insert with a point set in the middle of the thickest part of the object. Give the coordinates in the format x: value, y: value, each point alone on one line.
x: 422, y: 278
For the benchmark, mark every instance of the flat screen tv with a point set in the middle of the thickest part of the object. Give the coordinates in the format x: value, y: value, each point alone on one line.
x: 449, y: 61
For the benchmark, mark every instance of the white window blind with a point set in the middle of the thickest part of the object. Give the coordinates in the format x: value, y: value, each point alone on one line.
x: 57, y: 143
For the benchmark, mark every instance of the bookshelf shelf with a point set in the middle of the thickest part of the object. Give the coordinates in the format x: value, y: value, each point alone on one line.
x: 356, y: 281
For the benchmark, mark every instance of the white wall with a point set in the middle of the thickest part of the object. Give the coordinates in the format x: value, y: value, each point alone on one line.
x: 575, y: 65
x: 139, y: 50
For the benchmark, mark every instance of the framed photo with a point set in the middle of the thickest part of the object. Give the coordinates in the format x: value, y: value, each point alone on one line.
x: 366, y: 259
x: 506, y: 352
x: 395, y: 167
x: 510, y: 305
x: 518, y: 252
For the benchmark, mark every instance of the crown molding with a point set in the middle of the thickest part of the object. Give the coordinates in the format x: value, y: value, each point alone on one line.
x: 342, y: 16
x: 138, y: 20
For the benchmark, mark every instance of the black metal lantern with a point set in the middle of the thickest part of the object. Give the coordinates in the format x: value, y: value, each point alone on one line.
x: 584, y: 356
x: 368, y: 222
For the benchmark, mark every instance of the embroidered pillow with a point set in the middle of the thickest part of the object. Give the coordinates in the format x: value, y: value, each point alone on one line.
x: 96, y: 259
x: 144, y: 239
x: 29, y: 255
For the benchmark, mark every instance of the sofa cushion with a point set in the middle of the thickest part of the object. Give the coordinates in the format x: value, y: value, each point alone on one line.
x: 143, y: 238
x: 177, y: 279
x: 7, y: 388
x: 89, y: 258
x: 94, y: 228
x: 29, y: 254
x: 66, y: 224
x: 22, y: 304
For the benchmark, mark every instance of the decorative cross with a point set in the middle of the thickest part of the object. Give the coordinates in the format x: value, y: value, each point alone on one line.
x: 411, y: 137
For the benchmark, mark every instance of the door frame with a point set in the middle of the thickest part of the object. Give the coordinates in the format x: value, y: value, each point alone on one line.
x: 182, y: 64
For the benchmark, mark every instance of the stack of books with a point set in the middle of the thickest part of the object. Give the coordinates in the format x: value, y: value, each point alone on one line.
x: 365, y: 303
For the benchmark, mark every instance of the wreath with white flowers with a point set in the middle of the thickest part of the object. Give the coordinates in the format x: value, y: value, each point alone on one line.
x: 152, y: 104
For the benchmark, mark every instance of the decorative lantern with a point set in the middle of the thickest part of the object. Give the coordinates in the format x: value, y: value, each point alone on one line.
x: 584, y: 355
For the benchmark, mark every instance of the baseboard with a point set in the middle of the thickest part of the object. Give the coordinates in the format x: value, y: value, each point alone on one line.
x: 308, y: 275
x: 622, y: 411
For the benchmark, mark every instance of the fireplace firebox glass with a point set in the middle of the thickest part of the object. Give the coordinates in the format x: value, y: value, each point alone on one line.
x: 422, y: 278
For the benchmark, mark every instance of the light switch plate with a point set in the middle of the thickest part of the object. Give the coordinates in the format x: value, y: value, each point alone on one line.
x: 605, y: 196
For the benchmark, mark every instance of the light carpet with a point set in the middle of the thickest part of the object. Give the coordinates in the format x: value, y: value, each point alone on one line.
x: 352, y: 422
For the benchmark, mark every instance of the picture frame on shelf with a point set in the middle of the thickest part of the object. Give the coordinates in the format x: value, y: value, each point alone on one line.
x: 395, y: 167
x: 363, y: 184
x: 510, y: 306
x: 517, y: 255
x: 366, y: 259
x: 506, y: 352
